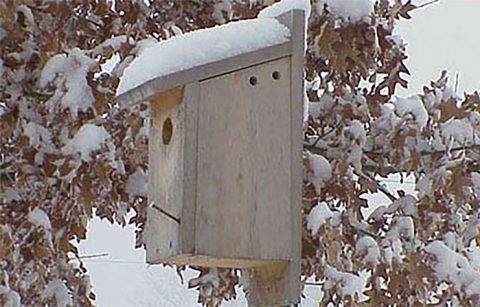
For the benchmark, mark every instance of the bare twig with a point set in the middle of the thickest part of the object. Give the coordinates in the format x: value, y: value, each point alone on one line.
x: 426, y: 4
x: 423, y: 153
x: 380, y: 187
x: 313, y: 284
x: 37, y: 95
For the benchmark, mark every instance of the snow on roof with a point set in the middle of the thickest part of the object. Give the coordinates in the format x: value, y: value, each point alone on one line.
x: 201, y: 47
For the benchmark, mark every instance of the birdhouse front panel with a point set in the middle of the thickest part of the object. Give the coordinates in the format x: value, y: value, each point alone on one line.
x: 243, y: 205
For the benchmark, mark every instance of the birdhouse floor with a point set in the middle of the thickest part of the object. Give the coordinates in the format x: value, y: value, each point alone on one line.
x: 209, y: 261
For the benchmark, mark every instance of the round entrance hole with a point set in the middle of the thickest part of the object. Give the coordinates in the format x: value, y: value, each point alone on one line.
x: 276, y: 75
x: 253, y: 80
x: 167, y: 131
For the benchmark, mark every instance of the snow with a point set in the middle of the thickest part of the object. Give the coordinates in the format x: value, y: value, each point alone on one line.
x: 221, y: 8
x: 201, y: 47
x: 476, y: 179
x: 112, y: 43
x: 348, y: 284
x: 27, y: 12
x: 357, y: 135
x: 372, y: 252
x: 88, y: 138
x: 137, y: 183
x: 403, y: 227
x: 357, y: 132
x: 3, y: 33
x: 39, y: 136
x: 412, y: 105
x: 285, y: 6
x: 12, y: 298
x: 57, y: 289
x: 39, y: 218
x: 349, y: 10
x: 69, y: 74
x: 473, y: 256
x: 406, y: 205
x: 2, y: 68
x: 460, y: 131
x: 321, y: 171
x: 454, y: 268
x: 318, y: 216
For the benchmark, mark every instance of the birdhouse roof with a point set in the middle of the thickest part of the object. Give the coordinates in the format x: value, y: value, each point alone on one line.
x: 204, y: 54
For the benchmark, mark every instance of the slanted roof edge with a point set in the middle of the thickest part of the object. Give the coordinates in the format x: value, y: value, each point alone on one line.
x: 210, y: 70
x: 203, y: 72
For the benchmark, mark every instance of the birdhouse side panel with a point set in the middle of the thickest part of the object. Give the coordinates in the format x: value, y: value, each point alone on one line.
x: 244, y: 164
x: 166, y: 175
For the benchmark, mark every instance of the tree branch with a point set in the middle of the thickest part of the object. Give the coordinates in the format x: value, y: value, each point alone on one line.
x: 377, y: 185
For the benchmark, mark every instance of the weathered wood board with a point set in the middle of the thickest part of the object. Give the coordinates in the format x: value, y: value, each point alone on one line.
x: 244, y: 164
x: 165, y: 186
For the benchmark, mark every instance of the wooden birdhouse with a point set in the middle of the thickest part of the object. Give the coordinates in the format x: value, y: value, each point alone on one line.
x: 225, y: 151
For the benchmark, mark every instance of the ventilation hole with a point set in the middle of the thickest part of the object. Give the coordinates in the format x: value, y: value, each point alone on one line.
x: 253, y: 80
x: 167, y: 131
x: 276, y: 75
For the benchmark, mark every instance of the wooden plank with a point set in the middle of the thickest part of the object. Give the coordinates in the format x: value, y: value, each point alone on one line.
x: 187, y: 229
x: 243, y: 196
x: 268, y: 285
x: 297, y: 30
x: 203, y: 72
x: 286, y: 289
x: 216, y: 262
x: 165, y: 184
x: 272, y: 237
x: 225, y: 163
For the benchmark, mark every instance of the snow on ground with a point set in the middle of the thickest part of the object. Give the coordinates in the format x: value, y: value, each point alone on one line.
x: 202, y: 47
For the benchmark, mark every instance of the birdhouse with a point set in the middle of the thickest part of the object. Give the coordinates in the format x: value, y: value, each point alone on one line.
x: 225, y: 150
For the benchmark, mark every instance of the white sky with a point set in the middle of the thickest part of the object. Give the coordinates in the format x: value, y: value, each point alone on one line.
x: 445, y: 35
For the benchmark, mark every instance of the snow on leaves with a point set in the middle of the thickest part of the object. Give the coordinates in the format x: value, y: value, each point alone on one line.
x: 68, y: 148
x: 87, y: 139
x: 364, y: 132
x: 67, y: 74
